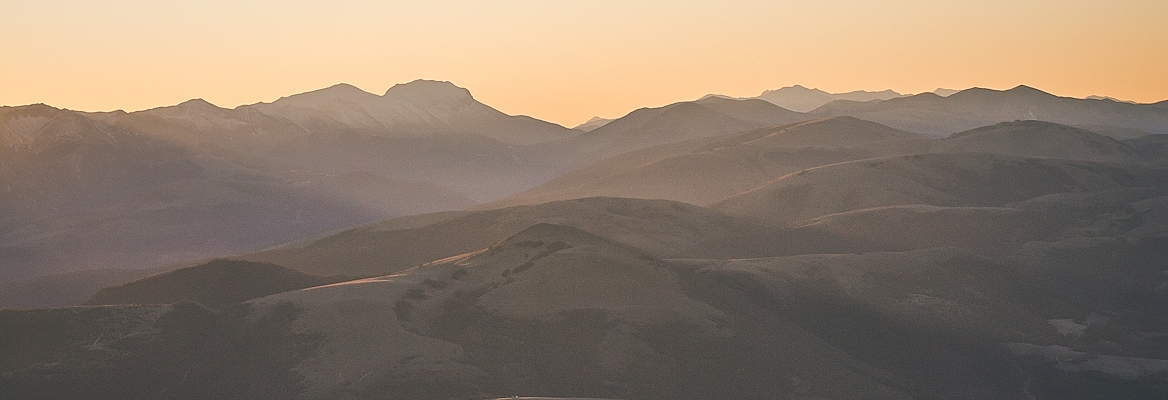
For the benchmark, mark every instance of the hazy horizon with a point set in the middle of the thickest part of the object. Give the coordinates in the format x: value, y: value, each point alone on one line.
x: 566, y: 62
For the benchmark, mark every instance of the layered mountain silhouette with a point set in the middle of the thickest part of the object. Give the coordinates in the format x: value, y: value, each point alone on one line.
x: 133, y: 190
x: 422, y: 245
x: 705, y: 170
x: 420, y: 107
x: 118, y: 198
x: 938, y: 116
x: 801, y: 99
x: 647, y: 127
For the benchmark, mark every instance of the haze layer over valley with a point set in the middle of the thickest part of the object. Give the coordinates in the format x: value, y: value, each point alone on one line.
x: 421, y: 244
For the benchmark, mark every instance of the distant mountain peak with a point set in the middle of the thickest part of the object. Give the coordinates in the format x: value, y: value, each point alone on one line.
x: 1109, y: 98
x: 716, y: 96
x: 795, y: 88
x: 429, y: 89
x: 801, y: 99
x: 340, y: 91
x: 1027, y: 90
x: 343, y: 89
x: 592, y: 124
x: 198, y: 103
x: 187, y: 108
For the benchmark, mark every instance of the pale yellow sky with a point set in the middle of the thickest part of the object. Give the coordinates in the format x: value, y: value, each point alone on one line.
x: 565, y: 61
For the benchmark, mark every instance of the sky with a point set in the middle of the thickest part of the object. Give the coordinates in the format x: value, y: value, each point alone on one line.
x: 566, y: 61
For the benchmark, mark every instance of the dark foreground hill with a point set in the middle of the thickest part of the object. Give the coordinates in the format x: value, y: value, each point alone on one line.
x: 554, y: 310
x: 214, y: 284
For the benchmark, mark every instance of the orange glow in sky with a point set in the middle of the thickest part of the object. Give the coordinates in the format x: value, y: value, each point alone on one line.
x: 566, y: 61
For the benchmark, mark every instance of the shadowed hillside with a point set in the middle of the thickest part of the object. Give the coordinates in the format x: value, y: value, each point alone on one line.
x: 215, y: 284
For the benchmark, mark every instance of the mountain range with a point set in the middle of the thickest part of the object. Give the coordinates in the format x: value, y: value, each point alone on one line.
x: 420, y: 244
x: 801, y: 99
x: 937, y: 116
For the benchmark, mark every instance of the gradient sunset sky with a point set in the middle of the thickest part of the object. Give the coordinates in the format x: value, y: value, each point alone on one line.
x: 566, y: 61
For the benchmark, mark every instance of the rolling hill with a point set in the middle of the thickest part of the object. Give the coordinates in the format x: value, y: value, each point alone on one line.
x: 552, y: 309
x: 939, y: 179
x: 703, y: 171
x: 1040, y: 139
